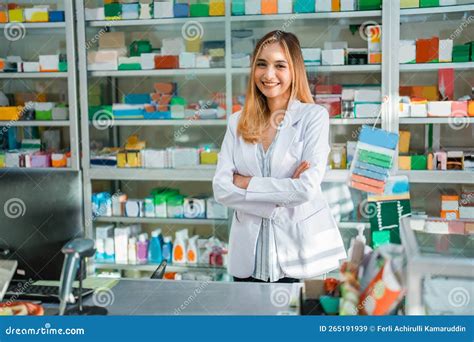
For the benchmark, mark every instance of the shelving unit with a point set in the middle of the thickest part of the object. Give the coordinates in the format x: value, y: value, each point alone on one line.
x: 69, y: 77
x: 391, y: 16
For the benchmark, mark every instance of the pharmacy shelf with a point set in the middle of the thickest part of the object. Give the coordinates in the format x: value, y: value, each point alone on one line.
x: 439, y: 177
x: 306, y: 16
x: 33, y: 169
x: 455, y: 121
x: 354, y: 121
x: 157, y: 220
x: 189, y: 73
x: 436, y: 10
x: 153, y: 22
x: 34, y: 25
x: 39, y: 123
x: 22, y: 75
x: 153, y: 267
x: 436, y: 66
x: 350, y: 69
x: 198, y: 174
x: 183, y: 123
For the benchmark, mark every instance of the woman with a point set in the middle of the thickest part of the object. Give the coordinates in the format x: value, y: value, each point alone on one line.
x: 270, y: 169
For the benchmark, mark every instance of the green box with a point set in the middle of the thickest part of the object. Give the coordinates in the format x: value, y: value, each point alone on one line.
x: 418, y: 162
x: 461, y: 53
x: 113, y: 11
x: 238, y: 7
x: 100, y: 112
x: 369, y: 5
x: 199, y: 10
x: 429, y: 3
x: 43, y: 114
x: 130, y: 66
x: 63, y: 66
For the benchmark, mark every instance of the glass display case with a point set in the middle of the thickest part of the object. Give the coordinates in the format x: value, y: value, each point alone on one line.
x: 439, y: 272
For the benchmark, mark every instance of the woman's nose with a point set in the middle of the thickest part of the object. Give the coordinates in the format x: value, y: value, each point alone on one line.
x: 270, y: 73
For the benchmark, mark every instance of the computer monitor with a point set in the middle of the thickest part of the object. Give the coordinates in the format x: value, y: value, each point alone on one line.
x: 40, y: 210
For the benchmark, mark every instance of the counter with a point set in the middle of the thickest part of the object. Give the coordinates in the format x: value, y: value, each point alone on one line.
x: 165, y: 297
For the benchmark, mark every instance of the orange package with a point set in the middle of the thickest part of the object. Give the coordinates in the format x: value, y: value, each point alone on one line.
x: 427, y: 50
x: 166, y: 62
x: 470, y: 108
x: 336, y: 5
x: 3, y: 17
x: 269, y: 6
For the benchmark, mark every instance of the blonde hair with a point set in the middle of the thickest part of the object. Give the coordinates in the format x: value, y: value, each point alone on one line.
x: 256, y: 114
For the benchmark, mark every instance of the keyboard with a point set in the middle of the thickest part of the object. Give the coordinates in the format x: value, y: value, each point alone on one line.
x: 43, y: 293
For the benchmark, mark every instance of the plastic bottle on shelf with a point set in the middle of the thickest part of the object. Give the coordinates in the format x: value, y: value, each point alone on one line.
x: 168, y: 249
x: 142, y: 248
x: 132, y: 250
x: 192, y: 250
x: 179, y: 248
x: 154, y: 250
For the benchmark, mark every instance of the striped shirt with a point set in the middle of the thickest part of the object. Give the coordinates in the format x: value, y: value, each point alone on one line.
x: 267, y: 267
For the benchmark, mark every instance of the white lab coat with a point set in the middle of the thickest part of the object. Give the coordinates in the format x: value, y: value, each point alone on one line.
x: 307, y: 238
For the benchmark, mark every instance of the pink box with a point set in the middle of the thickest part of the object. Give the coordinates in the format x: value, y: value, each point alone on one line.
x: 459, y: 108
x: 440, y: 160
x: 41, y: 160
x: 456, y: 227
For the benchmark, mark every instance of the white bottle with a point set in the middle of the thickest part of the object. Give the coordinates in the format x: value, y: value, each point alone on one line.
x: 179, y: 247
x: 192, y: 250
x: 132, y: 250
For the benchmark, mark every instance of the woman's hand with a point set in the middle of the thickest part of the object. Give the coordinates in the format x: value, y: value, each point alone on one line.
x: 300, y: 169
x: 241, y: 181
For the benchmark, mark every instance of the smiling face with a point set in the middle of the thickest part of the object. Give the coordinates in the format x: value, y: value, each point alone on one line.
x: 272, y: 72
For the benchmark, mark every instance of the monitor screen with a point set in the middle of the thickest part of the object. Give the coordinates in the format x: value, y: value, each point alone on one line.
x: 40, y: 210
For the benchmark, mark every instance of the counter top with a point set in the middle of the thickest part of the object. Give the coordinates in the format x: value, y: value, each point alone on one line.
x: 165, y: 297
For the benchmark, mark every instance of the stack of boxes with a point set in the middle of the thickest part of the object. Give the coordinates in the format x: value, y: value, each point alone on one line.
x: 36, y: 14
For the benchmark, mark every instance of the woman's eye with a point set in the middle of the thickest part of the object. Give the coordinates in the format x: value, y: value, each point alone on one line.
x: 260, y: 64
x: 281, y: 66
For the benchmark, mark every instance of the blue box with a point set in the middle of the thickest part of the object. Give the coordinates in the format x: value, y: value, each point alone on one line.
x: 56, y: 16
x: 304, y: 6
x: 157, y: 116
x: 238, y: 7
x: 378, y: 137
x: 181, y: 10
x: 137, y: 99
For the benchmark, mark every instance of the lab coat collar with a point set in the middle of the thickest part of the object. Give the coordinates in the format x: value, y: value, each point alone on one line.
x: 286, y: 136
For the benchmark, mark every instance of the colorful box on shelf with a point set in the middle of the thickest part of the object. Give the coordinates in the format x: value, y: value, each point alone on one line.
x: 10, y: 113
x: 269, y: 6
x: 427, y: 50
x: 409, y: 3
x: 129, y: 159
x: 461, y: 53
x: 369, y: 5
x: 208, y: 157
x: 137, y: 99
x: 113, y: 11
x: 470, y: 108
x: 199, y: 8
x: 163, y: 9
x: 59, y: 160
x: 217, y: 8
x: 129, y: 63
x: 311, y: 56
x: 56, y: 16
x: 304, y: 6
x: 181, y: 9
x: 16, y: 15
x: 429, y: 3
x: 238, y: 7
x: 40, y: 160
x: 49, y: 63
x: 36, y: 14
x: 138, y: 47
x: 44, y: 110
x: 126, y: 111
x: 3, y: 15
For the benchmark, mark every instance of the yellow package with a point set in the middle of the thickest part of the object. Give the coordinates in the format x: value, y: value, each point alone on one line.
x: 216, y: 7
x: 404, y: 163
x: 208, y: 157
x: 404, y: 141
x: 16, y: 15
x: 40, y: 17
